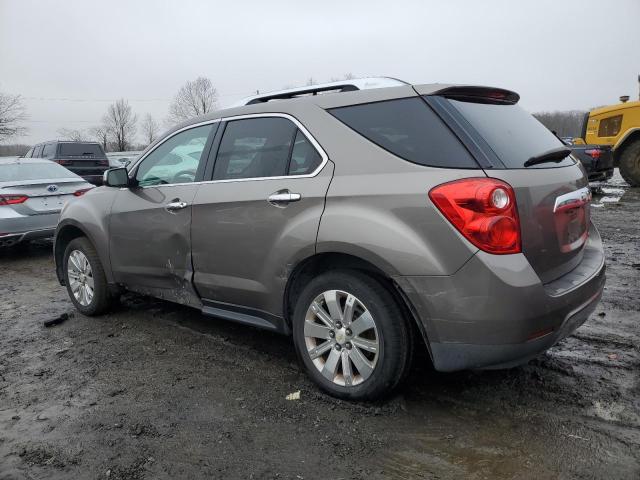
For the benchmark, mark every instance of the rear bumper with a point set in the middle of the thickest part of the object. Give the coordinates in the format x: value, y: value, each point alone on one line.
x: 495, y: 312
x: 16, y: 228
x: 15, y: 238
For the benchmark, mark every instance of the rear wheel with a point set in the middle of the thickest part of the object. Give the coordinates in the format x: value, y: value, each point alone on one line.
x: 351, y: 336
x: 630, y: 164
x: 85, y: 279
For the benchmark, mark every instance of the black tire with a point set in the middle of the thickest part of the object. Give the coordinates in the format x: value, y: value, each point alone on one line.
x: 630, y: 164
x: 102, y: 298
x: 393, y: 334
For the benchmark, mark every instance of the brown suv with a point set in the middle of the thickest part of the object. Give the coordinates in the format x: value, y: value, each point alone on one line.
x: 353, y: 217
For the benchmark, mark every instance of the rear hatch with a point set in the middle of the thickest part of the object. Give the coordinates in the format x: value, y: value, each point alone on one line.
x: 552, y: 196
x: 82, y: 158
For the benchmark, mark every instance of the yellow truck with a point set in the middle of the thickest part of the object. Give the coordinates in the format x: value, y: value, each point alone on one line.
x: 618, y: 126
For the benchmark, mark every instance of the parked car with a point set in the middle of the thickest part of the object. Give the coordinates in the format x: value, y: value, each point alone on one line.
x: 597, y: 160
x: 32, y: 193
x: 351, y: 218
x: 86, y: 159
x: 121, y: 159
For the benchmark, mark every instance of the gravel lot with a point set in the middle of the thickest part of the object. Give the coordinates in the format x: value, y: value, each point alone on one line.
x: 156, y: 390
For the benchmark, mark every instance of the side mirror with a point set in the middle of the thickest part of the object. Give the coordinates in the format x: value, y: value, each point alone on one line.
x: 116, y: 177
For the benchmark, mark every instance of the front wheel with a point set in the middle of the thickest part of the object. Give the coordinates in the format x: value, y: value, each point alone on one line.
x: 351, y: 336
x: 85, y: 279
x: 630, y: 164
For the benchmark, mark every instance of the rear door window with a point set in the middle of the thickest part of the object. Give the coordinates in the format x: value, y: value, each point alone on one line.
x: 409, y: 129
x: 255, y: 148
x: 513, y: 134
x: 304, y: 157
x: 37, y: 153
x: 49, y: 150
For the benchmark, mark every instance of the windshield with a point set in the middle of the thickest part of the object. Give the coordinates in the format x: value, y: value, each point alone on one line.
x: 512, y: 133
x: 15, y: 172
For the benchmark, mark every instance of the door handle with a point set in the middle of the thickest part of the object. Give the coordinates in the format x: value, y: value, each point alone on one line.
x: 283, y: 197
x: 175, y: 205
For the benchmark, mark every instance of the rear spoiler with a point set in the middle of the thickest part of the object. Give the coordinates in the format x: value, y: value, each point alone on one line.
x: 490, y: 95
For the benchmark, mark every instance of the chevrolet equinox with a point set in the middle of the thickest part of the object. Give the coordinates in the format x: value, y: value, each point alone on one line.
x: 353, y: 216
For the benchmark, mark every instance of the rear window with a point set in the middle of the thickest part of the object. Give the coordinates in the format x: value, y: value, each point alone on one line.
x: 15, y: 172
x: 513, y: 134
x: 81, y: 150
x: 409, y: 129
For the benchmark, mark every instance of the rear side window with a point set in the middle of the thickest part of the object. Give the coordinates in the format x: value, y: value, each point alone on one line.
x: 81, y: 150
x: 49, y: 150
x: 610, y: 127
x: 409, y: 129
x: 513, y: 134
x: 254, y: 148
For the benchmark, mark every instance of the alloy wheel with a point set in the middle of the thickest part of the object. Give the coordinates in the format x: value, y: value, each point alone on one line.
x: 341, y: 338
x: 80, y: 277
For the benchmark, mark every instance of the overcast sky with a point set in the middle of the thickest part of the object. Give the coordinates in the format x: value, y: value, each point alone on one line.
x: 71, y: 58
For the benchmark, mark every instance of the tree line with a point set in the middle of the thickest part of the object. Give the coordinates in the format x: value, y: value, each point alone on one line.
x: 121, y: 129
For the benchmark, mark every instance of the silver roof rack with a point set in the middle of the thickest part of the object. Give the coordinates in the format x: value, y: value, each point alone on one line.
x: 331, y: 87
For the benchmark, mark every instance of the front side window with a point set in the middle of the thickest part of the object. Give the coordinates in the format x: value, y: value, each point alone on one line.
x: 255, y: 148
x: 49, y: 150
x: 176, y: 160
x: 610, y: 127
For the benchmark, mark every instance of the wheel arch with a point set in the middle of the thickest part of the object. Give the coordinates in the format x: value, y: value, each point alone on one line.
x: 631, y: 136
x: 326, y: 261
x: 65, y: 233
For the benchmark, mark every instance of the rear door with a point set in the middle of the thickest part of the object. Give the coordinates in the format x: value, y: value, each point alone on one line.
x: 150, y: 236
x: 553, y: 198
x: 260, y: 213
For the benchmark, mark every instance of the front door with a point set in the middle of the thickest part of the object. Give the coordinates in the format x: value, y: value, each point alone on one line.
x: 259, y: 215
x: 150, y: 225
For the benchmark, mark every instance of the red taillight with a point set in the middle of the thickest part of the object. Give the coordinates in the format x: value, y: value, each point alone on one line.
x: 64, y: 162
x: 104, y: 163
x: 81, y: 192
x: 12, y: 199
x: 483, y: 210
x: 594, y: 153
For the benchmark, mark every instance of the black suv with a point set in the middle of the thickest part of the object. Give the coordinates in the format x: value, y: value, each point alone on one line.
x: 86, y: 159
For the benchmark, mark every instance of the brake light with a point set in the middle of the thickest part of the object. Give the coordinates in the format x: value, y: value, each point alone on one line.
x: 12, y: 199
x: 483, y: 210
x: 594, y: 153
x: 81, y: 192
x: 64, y: 162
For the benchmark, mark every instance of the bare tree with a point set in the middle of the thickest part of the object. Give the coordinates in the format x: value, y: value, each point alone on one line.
x: 194, y: 98
x: 310, y: 81
x: 72, y: 134
x: 349, y: 76
x: 149, y: 129
x: 101, y: 134
x: 12, y: 113
x: 121, y: 124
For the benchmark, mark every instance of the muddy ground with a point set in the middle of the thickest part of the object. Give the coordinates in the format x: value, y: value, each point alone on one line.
x: 156, y: 390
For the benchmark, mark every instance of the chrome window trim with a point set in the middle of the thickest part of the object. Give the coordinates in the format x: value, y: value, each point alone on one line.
x: 297, y: 123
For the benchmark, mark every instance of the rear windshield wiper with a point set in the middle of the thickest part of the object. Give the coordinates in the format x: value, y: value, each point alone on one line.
x: 553, y: 155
